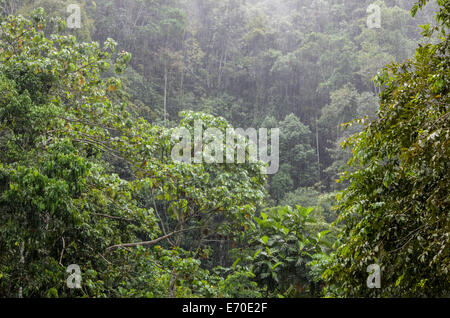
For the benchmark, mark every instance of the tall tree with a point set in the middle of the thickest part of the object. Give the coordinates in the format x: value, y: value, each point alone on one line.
x: 396, y: 209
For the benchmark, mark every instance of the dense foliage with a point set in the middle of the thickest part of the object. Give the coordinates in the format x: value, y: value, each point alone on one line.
x: 61, y: 201
x: 87, y: 175
x: 396, y: 209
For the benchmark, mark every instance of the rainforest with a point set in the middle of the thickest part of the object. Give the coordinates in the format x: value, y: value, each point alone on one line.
x: 224, y: 148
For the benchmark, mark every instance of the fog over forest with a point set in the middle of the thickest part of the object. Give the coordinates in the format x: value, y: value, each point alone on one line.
x: 224, y: 148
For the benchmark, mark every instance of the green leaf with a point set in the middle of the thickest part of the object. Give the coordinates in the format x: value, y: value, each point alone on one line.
x: 265, y: 239
x: 257, y: 253
x: 236, y: 262
x: 276, y: 265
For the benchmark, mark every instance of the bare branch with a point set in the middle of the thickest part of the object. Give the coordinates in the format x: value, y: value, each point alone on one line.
x: 62, y: 251
x: 149, y: 242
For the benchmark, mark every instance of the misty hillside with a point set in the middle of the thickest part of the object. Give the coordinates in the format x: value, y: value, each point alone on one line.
x: 224, y: 148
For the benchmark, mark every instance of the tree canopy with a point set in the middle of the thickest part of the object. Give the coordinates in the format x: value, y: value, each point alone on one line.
x: 91, y: 117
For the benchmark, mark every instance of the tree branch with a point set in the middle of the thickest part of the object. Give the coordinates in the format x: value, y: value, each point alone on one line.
x: 62, y: 251
x: 149, y: 242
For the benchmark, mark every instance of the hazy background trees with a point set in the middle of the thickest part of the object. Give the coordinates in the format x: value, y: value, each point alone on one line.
x: 306, y: 67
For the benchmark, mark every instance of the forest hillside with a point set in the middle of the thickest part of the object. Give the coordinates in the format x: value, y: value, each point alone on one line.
x: 224, y: 148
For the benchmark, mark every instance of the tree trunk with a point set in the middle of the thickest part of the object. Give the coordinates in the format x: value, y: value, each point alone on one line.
x: 22, y: 263
x: 165, y: 91
x: 318, y: 151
